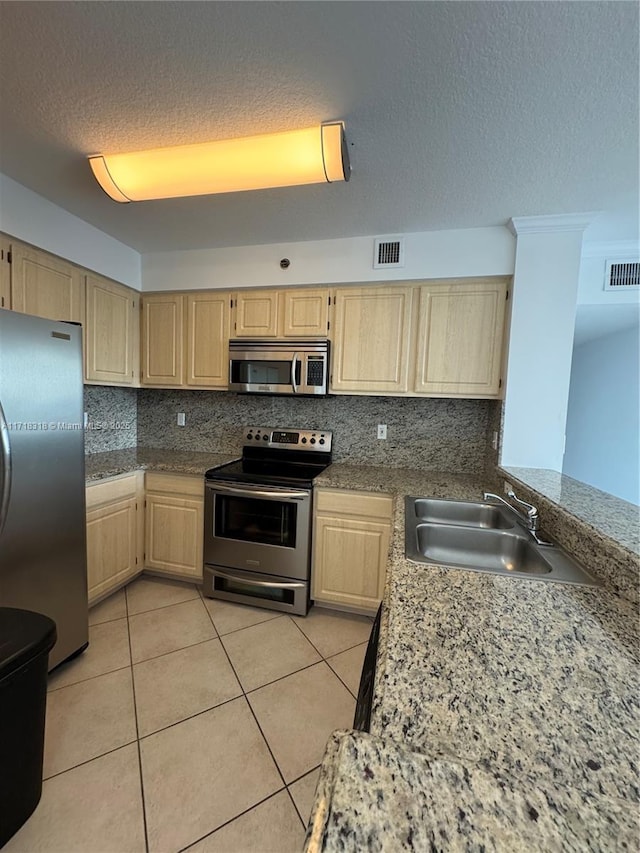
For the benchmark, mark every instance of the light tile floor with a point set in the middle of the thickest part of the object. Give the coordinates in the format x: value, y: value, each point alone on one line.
x: 192, y: 724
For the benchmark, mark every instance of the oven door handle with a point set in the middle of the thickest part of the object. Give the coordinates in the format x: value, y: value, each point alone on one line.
x: 252, y: 582
x: 294, y: 363
x: 259, y: 493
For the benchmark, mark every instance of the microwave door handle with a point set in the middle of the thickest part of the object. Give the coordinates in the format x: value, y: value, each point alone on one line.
x: 294, y: 364
x: 270, y: 584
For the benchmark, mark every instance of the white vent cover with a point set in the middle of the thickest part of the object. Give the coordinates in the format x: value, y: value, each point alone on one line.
x: 622, y: 274
x: 388, y: 252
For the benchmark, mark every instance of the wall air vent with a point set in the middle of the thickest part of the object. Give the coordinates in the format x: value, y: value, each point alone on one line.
x: 622, y: 275
x: 388, y: 252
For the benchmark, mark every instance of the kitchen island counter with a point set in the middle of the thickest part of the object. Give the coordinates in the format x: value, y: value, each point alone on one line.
x: 529, y: 690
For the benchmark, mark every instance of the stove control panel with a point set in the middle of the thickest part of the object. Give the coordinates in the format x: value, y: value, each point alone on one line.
x: 291, y: 439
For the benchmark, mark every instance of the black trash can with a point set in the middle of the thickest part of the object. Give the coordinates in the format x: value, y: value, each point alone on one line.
x: 26, y: 639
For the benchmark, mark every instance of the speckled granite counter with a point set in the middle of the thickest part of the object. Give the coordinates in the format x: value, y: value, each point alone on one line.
x: 98, y: 466
x: 492, y: 694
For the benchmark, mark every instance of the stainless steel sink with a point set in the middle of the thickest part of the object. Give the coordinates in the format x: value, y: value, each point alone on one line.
x: 462, y: 513
x: 481, y: 537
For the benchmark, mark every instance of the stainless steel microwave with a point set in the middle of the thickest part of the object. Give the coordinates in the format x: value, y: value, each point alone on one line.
x: 279, y: 367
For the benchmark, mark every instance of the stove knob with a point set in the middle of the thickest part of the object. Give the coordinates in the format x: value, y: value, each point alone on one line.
x: 265, y: 438
x: 304, y: 440
x: 322, y: 441
x: 257, y: 438
x: 313, y: 441
x: 249, y: 435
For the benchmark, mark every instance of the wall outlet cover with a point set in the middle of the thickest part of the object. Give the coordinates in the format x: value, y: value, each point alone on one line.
x: 382, y: 431
x: 181, y: 419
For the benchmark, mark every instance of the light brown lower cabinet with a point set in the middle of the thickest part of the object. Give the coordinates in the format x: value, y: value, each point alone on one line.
x: 114, y: 534
x: 174, y: 525
x: 352, y: 535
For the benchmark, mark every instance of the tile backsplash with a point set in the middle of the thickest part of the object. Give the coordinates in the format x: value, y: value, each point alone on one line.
x: 112, y: 418
x: 436, y: 434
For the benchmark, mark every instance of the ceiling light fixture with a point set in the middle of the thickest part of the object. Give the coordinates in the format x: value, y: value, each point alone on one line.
x: 309, y: 156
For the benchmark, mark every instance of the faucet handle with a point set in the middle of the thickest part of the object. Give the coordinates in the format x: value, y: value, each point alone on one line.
x: 532, y: 511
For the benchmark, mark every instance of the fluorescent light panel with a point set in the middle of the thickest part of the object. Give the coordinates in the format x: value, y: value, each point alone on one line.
x: 309, y: 156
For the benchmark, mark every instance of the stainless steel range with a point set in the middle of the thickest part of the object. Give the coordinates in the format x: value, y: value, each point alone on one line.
x: 258, y: 512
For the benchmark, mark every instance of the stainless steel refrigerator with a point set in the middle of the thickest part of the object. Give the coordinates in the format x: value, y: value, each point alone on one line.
x: 43, y: 563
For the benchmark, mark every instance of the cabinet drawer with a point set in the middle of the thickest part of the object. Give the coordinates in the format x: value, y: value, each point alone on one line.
x: 114, y: 489
x: 354, y: 503
x: 183, y: 484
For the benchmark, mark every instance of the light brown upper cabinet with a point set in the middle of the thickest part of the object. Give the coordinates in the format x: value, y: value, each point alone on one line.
x: 460, y: 338
x: 112, y: 341
x: 208, y: 339
x: 255, y: 314
x: 303, y: 313
x: 5, y: 272
x: 45, y: 286
x: 371, y: 340
x: 163, y: 339
x: 287, y: 313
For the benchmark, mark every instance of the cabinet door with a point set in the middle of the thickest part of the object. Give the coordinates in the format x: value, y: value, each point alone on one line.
x: 45, y: 286
x: 256, y: 314
x: 460, y: 338
x: 163, y: 339
x: 111, y: 546
x: 5, y: 272
x: 110, y: 336
x: 208, y: 339
x: 173, y: 535
x: 350, y: 561
x: 371, y: 340
x: 304, y: 313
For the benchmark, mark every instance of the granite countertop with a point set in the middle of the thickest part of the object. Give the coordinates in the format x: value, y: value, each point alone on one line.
x: 98, y: 466
x: 494, y: 697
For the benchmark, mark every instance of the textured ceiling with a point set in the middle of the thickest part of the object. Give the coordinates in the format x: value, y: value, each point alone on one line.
x: 458, y: 114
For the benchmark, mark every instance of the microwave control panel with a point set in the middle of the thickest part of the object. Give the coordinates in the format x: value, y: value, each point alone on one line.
x: 315, y: 370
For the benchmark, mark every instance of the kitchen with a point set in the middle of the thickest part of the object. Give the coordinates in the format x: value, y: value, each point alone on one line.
x: 426, y: 433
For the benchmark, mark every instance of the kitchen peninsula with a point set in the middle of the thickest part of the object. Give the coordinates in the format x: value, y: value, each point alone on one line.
x: 505, y: 713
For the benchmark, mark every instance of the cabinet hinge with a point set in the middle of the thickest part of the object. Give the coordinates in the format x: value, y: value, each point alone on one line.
x: 328, y: 300
x: 328, y: 325
x: 506, y: 296
x: 231, y: 303
x: 500, y: 383
x: 145, y: 500
x: 136, y: 561
x: 2, y: 301
x: 9, y: 257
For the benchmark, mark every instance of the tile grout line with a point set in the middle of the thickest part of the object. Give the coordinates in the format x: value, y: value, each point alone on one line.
x: 89, y: 760
x: 162, y: 606
x: 244, y: 695
x: 135, y: 715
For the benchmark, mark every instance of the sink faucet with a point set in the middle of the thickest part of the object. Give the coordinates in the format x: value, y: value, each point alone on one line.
x: 531, y: 517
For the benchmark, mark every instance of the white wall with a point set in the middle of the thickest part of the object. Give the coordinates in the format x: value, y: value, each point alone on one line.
x: 32, y: 218
x: 542, y: 324
x: 433, y: 254
x: 603, y: 418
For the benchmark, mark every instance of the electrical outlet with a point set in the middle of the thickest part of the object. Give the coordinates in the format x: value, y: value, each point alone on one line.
x: 494, y: 442
x: 382, y: 431
x: 86, y: 419
x: 181, y: 420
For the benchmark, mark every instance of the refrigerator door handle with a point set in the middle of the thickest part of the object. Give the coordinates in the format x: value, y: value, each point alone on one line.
x: 5, y: 470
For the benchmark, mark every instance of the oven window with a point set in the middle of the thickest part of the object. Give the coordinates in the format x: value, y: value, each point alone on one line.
x: 256, y: 520
x: 251, y: 590
x: 263, y: 372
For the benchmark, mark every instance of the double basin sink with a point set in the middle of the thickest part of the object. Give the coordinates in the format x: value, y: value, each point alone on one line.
x: 483, y: 537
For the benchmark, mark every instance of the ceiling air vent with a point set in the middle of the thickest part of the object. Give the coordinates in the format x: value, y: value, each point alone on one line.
x: 622, y: 275
x: 388, y: 252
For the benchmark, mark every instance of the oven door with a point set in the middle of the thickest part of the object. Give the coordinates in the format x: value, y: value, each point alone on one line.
x: 256, y: 528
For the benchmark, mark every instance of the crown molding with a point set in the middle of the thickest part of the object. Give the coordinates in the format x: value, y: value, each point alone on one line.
x: 551, y: 224
x: 612, y: 249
